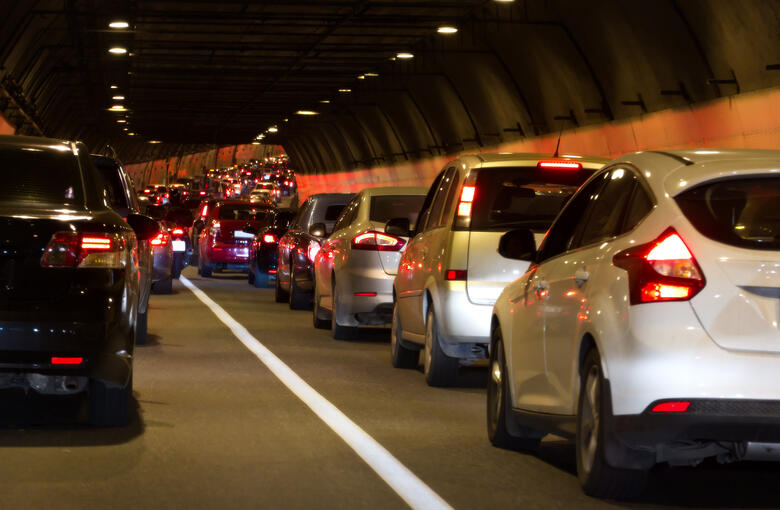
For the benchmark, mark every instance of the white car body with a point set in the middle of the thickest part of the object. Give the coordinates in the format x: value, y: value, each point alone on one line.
x: 682, y: 379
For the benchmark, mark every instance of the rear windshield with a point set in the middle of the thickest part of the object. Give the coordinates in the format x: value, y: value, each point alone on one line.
x: 386, y: 207
x: 333, y: 212
x: 740, y: 212
x: 522, y: 197
x: 109, y: 172
x: 40, y: 175
x: 241, y: 212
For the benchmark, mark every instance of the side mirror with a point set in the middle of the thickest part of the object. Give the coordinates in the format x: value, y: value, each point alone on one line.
x: 518, y: 244
x: 250, y: 229
x: 145, y: 227
x: 318, y: 230
x: 398, y: 227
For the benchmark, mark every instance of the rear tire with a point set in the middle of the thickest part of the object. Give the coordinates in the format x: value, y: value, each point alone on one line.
x: 340, y: 332
x: 140, y: 327
x: 400, y: 356
x: 598, y: 479
x: 440, y: 369
x: 281, y: 295
x: 205, y: 269
x: 164, y: 286
x: 502, y: 431
x: 259, y: 278
x: 178, y: 265
x: 109, y: 404
x: 299, y: 300
x: 316, y: 313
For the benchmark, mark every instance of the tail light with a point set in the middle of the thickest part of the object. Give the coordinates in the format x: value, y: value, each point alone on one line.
x: 160, y: 239
x: 559, y: 164
x: 205, y: 211
x: 662, y: 270
x: 167, y: 195
x: 313, y: 250
x: 178, y: 231
x: 269, y: 238
x: 73, y: 249
x: 59, y: 360
x: 455, y: 274
x: 202, y: 193
x: 377, y: 241
x: 671, y: 407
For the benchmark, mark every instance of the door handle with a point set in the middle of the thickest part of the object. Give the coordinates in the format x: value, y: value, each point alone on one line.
x: 581, y: 277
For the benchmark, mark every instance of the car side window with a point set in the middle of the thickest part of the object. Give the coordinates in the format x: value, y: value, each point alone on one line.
x: 425, y: 210
x: 348, y: 214
x: 605, y: 212
x: 434, y: 218
x: 298, y: 221
x: 559, y: 238
x: 448, y: 213
x: 639, y: 206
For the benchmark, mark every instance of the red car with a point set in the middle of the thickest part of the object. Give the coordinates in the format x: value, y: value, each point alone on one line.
x: 223, y: 243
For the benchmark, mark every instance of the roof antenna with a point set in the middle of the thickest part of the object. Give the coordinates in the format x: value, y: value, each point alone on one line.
x: 558, y: 145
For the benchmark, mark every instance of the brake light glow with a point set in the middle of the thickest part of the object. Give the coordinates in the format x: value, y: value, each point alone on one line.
x: 662, y: 270
x: 73, y: 249
x: 559, y: 164
x: 456, y: 274
x: 202, y: 193
x: 466, y: 199
x: 365, y: 294
x: 269, y: 238
x: 160, y: 239
x: 313, y: 250
x: 377, y: 241
x: 96, y: 243
x: 58, y: 360
x: 205, y: 211
x: 178, y: 231
x: 671, y: 407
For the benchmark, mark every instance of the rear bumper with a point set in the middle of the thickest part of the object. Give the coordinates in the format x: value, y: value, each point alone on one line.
x: 461, y: 321
x: 266, y: 258
x: 227, y: 254
x: 163, y: 259
x: 365, y: 309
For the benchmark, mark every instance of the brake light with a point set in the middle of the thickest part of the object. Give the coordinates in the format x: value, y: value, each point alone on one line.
x: 160, y: 239
x: 455, y: 274
x: 178, y: 231
x: 58, y: 360
x: 377, y: 241
x: 313, y: 250
x: 663, y: 270
x: 365, y: 294
x: 202, y: 193
x: 559, y: 164
x: 671, y: 407
x: 205, y: 211
x: 167, y: 195
x: 147, y: 190
x: 73, y: 249
x: 466, y: 199
x: 269, y: 238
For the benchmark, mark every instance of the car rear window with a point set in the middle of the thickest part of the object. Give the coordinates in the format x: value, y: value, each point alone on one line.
x: 109, y: 172
x: 387, y: 207
x: 522, y: 196
x: 333, y: 211
x: 739, y: 212
x: 241, y: 212
x: 40, y: 175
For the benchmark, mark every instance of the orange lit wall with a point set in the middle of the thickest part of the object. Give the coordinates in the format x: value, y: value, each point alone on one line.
x: 750, y: 120
x: 5, y: 127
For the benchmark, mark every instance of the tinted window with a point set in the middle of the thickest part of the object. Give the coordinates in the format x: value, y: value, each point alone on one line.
x: 605, y: 214
x: 333, y: 211
x: 740, y: 212
x: 425, y: 209
x: 40, y: 175
x: 434, y: 220
x: 348, y: 214
x: 179, y: 216
x: 387, y: 207
x: 522, y: 197
x: 109, y: 172
x: 241, y: 212
x: 640, y: 206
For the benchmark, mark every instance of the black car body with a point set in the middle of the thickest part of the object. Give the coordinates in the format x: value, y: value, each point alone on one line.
x: 262, y: 263
x: 69, y: 277
x: 123, y: 199
x: 295, y: 272
x: 162, y: 252
x: 198, y: 225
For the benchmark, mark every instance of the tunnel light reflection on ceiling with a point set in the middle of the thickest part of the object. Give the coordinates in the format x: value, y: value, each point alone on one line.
x: 405, y: 55
x: 119, y: 24
x: 447, y: 29
x: 117, y: 50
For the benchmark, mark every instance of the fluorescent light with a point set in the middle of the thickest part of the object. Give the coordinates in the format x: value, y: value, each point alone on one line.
x: 255, y: 143
x: 372, y: 75
x: 117, y: 108
x: 116, y: 50
x: 273, y: 129
x: 131, y: 134
x: 119, y: 24
x: 155, y: 141
x: 114, y: 87
x: 121, y: 121
x: 362, y: 77
x: 405, y: 55
x: 447, y: 29
x: 118, y: 98
x: 325, y: 101
x: 345, y: 91
x: 306, y: 112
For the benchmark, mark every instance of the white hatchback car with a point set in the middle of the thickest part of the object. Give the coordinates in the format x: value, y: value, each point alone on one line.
x: 355, y: 268
x: 647, y: 325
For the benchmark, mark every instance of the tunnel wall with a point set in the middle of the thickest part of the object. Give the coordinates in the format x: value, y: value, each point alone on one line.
x: 750, y: 120
x: 6, y: 128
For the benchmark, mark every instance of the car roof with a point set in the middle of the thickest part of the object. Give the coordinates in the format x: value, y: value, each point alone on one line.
x: 36, y: 142
x: 505, y: 159
x: 395, y: 190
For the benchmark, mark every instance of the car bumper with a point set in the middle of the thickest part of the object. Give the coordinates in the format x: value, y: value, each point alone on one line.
x: 461, y: 321
x: 163, y: 259
x: 228, y: 254
x: 365, y: 296
x: 266, y: 258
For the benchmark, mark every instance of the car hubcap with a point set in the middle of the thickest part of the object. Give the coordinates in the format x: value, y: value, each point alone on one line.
x: 589, y: 420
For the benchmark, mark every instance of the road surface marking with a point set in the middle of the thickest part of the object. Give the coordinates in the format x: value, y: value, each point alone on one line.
x: 405, y: 483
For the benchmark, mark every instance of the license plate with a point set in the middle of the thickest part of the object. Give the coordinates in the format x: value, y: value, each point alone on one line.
x: 179, y: 246
x: 240, y: 234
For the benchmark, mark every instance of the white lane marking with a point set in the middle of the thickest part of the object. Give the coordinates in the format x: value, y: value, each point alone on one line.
x: 405, y: 483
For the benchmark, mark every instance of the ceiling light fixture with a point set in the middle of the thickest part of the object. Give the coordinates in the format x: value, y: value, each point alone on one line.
x: 325, y: 101
x: 371, y: 75
x: 155, y: 141
x: 117, y: 50
x: 273, y: 129
x: 130, y: 134
x: 447, y: 29
x: 117, y: 108
x: 119, y: 24
x: 114, y: 87
x: 405, y: 55
x: 121, y: 121
x: 306, y: 112
x: 345, y: 91
x: 362, y: 77
x: 118, y: 98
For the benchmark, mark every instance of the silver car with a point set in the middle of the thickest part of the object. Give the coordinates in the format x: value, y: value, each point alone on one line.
x: 451, y: 273
x: 355, y: 267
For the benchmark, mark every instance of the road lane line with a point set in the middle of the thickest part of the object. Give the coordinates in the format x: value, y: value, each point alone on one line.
x: 405, y: 483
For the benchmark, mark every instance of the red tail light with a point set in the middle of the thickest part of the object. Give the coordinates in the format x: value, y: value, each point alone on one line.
x: 377, y: 241
x: 73, y: 249
x: 205, y: 211
x: 160, y: 239
x: 202, y: 193
x: 559, y: 164
x: 456, y: 274
x: 663, y: 270
x: 57, y: 360
x: 178, y: 231
x: 365, y: 294
x: 671, y: 407
x: 313, y: 250
x: 269, y: 238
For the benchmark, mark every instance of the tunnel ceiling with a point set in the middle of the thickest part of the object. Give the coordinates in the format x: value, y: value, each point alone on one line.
x: 200, y: 73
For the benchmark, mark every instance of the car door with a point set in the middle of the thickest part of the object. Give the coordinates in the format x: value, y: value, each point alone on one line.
x: 290, y: 240
x: 410, y: 280
x: 531, y: 309
x: 333, y: 248
x: 570, y: 294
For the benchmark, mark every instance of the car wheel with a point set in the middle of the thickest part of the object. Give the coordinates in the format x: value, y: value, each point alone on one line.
x: 164, y: 286
x: 598, y: 479
x: 205, y: 270
x: 251, y: 278
x: 299, y: 300
x: 318, y: 314
x: 140, y: 327
x: 502, y: 431
x: 280, y: 295
x: 260, y: 279
x: 109, y: 404
x: 177, y: 266
x: 440, y: 369
x: 340, y: 332
x: 400, y: 356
